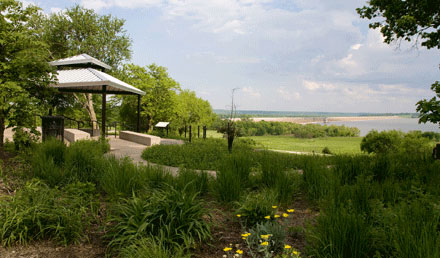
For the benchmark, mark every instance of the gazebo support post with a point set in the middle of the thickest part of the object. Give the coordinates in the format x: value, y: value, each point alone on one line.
x: 104, y: 104
x: 138, y: 129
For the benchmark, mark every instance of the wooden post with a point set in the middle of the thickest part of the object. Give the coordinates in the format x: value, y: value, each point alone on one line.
x: 189, y: 133
x: 139, y: 114
x: 104, y: 104
x: 204, y: 132
x: 198, y: 131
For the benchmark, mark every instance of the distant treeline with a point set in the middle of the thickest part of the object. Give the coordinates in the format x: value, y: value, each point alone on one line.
x: 223, y: 113
x: 250, y: 128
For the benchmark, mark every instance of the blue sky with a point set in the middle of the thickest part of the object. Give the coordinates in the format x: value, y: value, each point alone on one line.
x: 286, y: 55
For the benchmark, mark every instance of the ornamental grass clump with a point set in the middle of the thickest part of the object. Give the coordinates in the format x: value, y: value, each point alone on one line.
x: 38, y: 212
x: 171, y: 216
x: 194, y: 182
x: 47, y: 162
x: 255, y: 206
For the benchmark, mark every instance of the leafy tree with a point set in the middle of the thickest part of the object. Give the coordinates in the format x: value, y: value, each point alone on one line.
x: 405, y: 19
x: 78, y: 30
x: 381, y: 142
x: 24, y: 69
x: 191, y: 110
x: 409, y: 19
x: 159, y: 102
x: 430, y: 109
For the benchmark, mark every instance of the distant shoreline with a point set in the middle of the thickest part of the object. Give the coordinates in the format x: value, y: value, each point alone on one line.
x: 315, y: 120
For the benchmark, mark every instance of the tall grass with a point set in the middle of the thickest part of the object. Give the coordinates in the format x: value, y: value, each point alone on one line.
x: 39, y: 212
x: 172, y: 216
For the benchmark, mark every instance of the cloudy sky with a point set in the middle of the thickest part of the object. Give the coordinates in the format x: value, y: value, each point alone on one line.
x: 283, y: 55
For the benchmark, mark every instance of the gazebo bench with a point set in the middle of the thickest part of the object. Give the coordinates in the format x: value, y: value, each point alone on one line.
x: 140, y: 138
x: 73, y: 135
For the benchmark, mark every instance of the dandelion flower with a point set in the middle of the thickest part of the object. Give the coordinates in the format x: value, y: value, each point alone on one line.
x: 239, y: 251
x: 285, y: 215
x: 265, y: 236
x: 267, y: 217
x: 274, y: 207
x: 227, y: 249
x: 295, y: 252
x: 264, y: 243
x: 276, y: 216
x: 290, y: 210
x: 238, y: 215
x: 287, y: 247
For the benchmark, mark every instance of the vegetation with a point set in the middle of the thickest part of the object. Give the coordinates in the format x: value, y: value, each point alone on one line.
x: 250, y: 128
x: 25, y: 72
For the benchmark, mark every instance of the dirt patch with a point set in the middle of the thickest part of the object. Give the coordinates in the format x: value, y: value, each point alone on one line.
x: 51, y: 250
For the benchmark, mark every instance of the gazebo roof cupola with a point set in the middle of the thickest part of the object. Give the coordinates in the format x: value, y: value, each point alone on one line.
x: 81, y: 61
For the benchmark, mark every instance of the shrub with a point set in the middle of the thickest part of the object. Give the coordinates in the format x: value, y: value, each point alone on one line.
x: 172, y: 216
x: 255, y: 206
x: 39, y: 212
x: 326, y: 150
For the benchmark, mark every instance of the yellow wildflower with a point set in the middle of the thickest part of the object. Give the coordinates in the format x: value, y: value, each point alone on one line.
x: 239, y: 215
x: 227, y: 249
x: 267, y: 217
x: 264, y: 243
x: 285, y: 215
x: 287, y: 247
x: 295, y: 252
x: 239, y: 251
x: 274, y: 207
x: 290, y: 210
x: 265, y: 236
x: 276, y: 216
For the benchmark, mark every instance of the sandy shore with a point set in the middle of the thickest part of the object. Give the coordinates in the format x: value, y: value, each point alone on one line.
x: 309, y: 120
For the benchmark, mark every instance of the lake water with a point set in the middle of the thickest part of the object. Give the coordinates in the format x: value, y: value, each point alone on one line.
x: 402, y: 124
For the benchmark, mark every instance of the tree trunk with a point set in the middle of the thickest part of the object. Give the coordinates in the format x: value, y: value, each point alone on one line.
x: 88, y: 105
x: 91, y: 111
x: 2, y: 130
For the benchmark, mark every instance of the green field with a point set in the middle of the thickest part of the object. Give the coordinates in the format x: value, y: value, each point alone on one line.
x: 348, y: 145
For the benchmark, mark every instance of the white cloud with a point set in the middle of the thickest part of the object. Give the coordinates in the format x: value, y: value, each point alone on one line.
x: 55, y: 10
x: 313, y: 85
x: 287, y: 94
x: 251, y: 92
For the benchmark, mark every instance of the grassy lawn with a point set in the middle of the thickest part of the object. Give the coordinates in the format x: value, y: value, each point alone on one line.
x: 213, y: 134
x: 349, y: 145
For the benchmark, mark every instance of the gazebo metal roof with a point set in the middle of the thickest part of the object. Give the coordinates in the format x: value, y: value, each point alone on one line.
x: 89, y: 80
x: 85, y: 79
x: 80, y: 60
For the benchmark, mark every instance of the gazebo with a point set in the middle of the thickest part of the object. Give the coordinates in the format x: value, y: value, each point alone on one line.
x: 87, y: 76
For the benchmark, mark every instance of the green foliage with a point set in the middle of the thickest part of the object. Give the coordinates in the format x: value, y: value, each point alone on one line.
x: 191, y: 110
x: 47, y: 162
x: 395, y: 141
x: 326, y: 150
x: 25, y: 71
x: 151, y: 247
x: 200, y: 154
x: 272, y: 228
x: 160, y: 100
x: 173, y: 217
x: 247, y: 127
x: 193, y: 182
x: 39, y: 212
x: 429, y: 109
x: 24, y: 139
x: 255, y: 206
x: 405, y: 20
x: 232, y: 178
x: 381, y: 142
x: 339, y: 232
x: 83, y: 160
